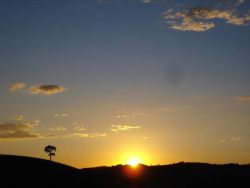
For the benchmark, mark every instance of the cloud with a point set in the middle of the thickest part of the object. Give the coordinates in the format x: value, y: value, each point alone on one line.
x: 20, y: 128
x: 232, y: 3
x: 17, y: 130
x: 90, y: 135
x: 37, y: 89
x: 223, y: 140
x: 60, y: 115
x: 238, y: 2
x: 117, y: 128
x: 79, y: 128
x: 245, y: 98
x: 50, y: 136
x: 17, y: 86
x: 232, y: 139
x: 80, y: 131
x: 201, y: 18
x: 46, y: 89
x: 125, y: 114
x: 20, y: 118
x: 146, y: 1
x: 59, y: 128
x: 175, y: 108
x: 236, y: 139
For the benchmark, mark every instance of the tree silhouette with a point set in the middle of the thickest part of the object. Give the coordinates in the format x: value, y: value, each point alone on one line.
x: 50, y: 150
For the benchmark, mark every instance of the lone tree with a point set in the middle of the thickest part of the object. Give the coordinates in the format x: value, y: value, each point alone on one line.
x: 50, y: 150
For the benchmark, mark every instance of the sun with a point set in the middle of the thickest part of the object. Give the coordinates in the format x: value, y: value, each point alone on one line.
x: 134, y: 161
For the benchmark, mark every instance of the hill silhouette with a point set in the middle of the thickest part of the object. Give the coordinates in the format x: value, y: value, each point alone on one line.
x: 19, y: 171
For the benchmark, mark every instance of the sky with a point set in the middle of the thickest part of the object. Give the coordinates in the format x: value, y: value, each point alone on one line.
x: 107, y: 80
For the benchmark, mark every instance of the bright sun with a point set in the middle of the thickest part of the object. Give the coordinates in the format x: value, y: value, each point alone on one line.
x: 134, y: 161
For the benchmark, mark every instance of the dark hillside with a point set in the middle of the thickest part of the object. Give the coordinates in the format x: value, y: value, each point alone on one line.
x: 32, y: 172
x: 18, y: 171
x: 176, y: 175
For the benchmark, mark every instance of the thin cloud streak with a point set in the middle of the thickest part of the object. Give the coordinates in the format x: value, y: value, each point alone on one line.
x: 79, y: 128
x: 245, y: 98
x: 146, y: 1
x: 59, y: 128
x: 117, y: 128
x: 90, y: 135
x: 57, y: 115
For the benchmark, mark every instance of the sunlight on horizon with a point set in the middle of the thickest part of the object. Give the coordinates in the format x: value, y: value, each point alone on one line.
x: 134, y: 161
x: 126, y: 82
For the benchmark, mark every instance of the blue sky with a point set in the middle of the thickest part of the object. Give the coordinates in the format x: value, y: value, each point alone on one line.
x: 154, y: 71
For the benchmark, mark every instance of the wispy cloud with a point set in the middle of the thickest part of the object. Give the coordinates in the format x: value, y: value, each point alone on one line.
x: 50, y: 136
x: 146, y: 1
x: 90, y: 135
x: 117, y: 128
x: 175, y: 108
x: 18, y: 117
x: 19, y: 129
x: 232, y: 139
x: 130, y: 115
x: 126, y: 114
x: 17, y: 86
x: 60, y: 115
x: 245, y: 98
x: 21, y: 118
x: 236, y: 139
x: 46, y: 89
x: 80, y: 131
x: 59, y: 128
x: 202, y: 18
x: 79, y: 128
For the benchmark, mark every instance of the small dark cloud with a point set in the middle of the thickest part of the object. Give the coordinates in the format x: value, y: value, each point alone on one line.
x: 46, y: 89
x: 50, y: 89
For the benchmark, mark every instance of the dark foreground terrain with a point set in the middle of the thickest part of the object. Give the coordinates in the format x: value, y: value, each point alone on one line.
x: 24, y: 172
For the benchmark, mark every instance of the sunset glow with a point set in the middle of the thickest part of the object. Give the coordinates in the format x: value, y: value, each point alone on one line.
x: 127, y: 82
x: 134, y: 161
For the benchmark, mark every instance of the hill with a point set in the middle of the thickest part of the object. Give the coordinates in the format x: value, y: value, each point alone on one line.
x: 19, y: 171
x: 180, y: 175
